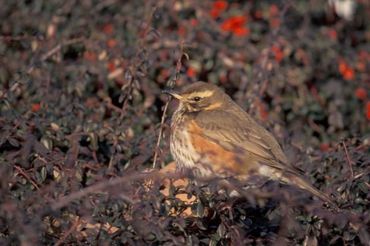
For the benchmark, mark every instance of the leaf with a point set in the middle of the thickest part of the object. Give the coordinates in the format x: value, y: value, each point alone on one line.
x: 43, y: 174
x: 221, y: 230
x: 14, y: 142
x: 200, y: 210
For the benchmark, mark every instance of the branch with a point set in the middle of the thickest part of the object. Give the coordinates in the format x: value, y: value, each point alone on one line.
x: 67, y: 233
x: 24, y: 174
x: 349, y: 160
x: 98, y: 187
x: 56, y: 49
x: 170, y: 84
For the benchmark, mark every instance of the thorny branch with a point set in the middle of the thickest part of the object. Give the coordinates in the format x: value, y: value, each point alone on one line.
x: 349, y: 161
x: 170, y: 84
x: 131, y: 74
x: 24, y: 174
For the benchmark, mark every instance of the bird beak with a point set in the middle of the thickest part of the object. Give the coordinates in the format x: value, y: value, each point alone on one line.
x: 173, y: 94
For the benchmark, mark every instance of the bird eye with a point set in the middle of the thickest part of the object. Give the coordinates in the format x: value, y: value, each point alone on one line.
x: 196, y: 99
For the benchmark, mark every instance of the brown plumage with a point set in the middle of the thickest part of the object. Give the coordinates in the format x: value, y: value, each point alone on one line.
x: 212, y: 135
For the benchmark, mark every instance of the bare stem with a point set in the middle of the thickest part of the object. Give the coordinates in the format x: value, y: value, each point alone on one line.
x: 160, y: 133
x: 170, y: 84
x: 349, y: 161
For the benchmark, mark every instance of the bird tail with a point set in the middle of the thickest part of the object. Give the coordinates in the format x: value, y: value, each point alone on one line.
x: 303, y: 184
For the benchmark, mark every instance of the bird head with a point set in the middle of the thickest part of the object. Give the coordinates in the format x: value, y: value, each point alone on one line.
x: 199, y: 96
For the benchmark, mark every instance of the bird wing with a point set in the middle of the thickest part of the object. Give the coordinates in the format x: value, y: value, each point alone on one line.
x: 239, y: 133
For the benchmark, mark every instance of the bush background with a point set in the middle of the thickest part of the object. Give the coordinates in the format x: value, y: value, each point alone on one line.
x: 81, y: 104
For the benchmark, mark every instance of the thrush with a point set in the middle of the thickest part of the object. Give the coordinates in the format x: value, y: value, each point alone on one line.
x: 213, y: 136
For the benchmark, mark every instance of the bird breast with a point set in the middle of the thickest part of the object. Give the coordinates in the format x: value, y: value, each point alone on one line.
x: 181, y: 147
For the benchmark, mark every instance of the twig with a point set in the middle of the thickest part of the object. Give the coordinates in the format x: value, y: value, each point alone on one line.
x: 170, y: 84
x: 160, y: 133
x: 24, y: 174
x: 314, y: 126
x: 67, y: 233
x: 274, y: 36
x: 110, y: 105
x: 59, y: 46
x: 131, y: 74
x: 9, y: 38
x: 54, y: 50
x: 262, y: 71
x: 98, y: 187
x: 349, y: 160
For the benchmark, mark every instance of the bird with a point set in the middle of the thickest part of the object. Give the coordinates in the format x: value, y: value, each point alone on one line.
x: 213, y: 136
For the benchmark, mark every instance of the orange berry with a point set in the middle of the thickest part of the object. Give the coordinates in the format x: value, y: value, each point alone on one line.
x: 324, y: 147
x: 111, y: 66
x: 241, y: 31
x: 111, y: 43
x: 191, y: 72
x: 349, y: 74
x: 108, y: 29
x: 35, y: 107
x: 361, y: 93
x: 90, y: 56
x: 220, y: 5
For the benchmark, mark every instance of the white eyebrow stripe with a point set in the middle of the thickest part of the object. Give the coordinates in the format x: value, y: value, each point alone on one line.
x: 206, y: 93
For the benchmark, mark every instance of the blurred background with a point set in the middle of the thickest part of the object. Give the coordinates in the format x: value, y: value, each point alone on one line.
x: 81, y: 103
